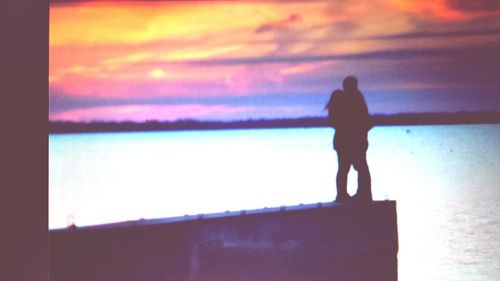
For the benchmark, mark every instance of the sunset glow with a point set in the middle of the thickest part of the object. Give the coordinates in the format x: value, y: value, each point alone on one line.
x: 252, y: 56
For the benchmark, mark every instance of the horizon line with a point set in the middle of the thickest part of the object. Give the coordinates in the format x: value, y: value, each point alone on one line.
x: 441, y: 118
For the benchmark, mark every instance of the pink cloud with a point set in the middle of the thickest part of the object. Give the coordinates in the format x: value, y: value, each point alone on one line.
x: 141, y: 113
x: 141, y: 88
x: 162, y: 80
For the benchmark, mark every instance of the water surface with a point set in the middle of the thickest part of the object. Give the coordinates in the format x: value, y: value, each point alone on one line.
x: 445, y: 180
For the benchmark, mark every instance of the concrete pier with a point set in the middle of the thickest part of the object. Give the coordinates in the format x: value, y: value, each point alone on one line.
x: 308, y: 242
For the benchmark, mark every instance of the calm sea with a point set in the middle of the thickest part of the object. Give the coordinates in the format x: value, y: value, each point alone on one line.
x: 446, y: 180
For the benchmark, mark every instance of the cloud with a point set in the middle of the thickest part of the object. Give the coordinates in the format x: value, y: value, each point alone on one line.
x: 403, y: 54
x: 437, y: 10
x: 147, y: 88
x: 105, y: 23
x: 476, y: 5
x: 440, y: 34
x: 278, y: 24
x: 142, y: 113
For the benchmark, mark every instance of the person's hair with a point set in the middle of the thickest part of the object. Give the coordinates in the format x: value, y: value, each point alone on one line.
x: 350, y: 84
x: 335, y: 95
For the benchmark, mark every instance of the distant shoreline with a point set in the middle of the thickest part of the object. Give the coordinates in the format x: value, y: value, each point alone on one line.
x: 306, y: 122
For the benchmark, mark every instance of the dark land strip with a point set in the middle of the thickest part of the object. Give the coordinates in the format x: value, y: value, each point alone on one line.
x: 306, y: 122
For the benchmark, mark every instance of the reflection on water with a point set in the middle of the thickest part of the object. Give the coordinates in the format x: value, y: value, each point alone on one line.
x: 445, y: 180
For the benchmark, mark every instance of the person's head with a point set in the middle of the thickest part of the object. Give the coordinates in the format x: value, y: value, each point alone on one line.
x: 334, y: 97
x: 350, y: 84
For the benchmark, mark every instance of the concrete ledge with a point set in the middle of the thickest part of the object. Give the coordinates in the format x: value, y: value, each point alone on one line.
x: 312, y: 242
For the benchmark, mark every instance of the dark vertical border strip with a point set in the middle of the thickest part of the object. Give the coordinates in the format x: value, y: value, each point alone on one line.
x: 24, y: 33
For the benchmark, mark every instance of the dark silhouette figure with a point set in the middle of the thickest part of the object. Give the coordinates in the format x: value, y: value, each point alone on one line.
x: 348, y: 115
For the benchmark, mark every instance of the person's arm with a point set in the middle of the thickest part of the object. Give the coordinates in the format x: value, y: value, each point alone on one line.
x: 368, y: 118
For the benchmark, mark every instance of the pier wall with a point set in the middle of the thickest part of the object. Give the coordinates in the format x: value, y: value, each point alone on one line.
x: 325, y: 242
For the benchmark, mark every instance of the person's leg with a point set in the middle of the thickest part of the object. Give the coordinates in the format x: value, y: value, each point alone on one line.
x: 344, y: 166
x: 364, y: 178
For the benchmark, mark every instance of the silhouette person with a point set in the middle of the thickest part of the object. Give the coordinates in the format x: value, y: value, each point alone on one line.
x: 348, y: 115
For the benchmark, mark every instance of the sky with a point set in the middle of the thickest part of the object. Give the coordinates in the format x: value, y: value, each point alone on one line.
x: 230, y: 60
